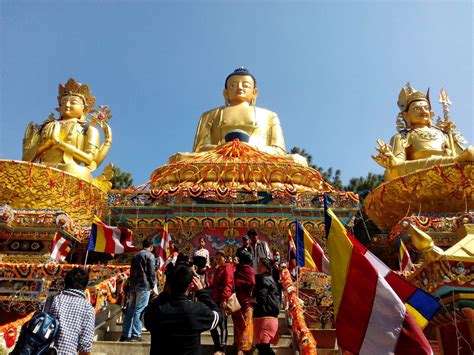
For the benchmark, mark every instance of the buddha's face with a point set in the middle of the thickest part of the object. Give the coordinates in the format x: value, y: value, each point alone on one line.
x: 240, y: 88
x: 418, y: 114
x: 71, y: 107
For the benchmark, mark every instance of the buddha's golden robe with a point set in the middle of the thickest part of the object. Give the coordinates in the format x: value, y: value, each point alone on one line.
x: 263, y: 127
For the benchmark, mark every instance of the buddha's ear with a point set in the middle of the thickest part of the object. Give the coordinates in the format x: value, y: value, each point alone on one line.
x: 255, y: 95
x: 226, y: 97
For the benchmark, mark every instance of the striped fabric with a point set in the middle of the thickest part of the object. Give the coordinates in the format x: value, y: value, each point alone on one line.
x: 291, y: 254
x: 308, y: 252
x: 60, y: 248
x: 371, y: 318
x: 161, y: 243
x: 110, y: 240
x: 404, y: 257
x: 421, y: 305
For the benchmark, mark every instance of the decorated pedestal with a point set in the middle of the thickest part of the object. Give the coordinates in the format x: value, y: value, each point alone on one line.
x: 223, y: 193
x: 36, y: 201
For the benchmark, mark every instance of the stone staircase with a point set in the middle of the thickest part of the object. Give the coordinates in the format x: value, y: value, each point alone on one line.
x: 106, y: 341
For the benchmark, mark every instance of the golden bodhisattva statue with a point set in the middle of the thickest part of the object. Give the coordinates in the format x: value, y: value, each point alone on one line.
x: 420, y: 144
x: 240, y: 114
x: 72, y: 142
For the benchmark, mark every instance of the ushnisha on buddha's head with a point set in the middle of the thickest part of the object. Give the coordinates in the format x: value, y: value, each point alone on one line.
x: 415, y: 107
x: 75, y: 100
x: 240, y: 88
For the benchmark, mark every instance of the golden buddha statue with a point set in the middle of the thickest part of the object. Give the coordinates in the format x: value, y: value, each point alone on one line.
x: 72, y: 142
x: 240, y: 114
x: 420, y: 144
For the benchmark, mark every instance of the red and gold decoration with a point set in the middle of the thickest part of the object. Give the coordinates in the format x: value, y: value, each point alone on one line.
x: 301, y: 332
x: 110, y: 290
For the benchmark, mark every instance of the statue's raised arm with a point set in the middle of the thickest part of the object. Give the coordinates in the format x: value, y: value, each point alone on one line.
x: 72, y: 142
x: 420, y: 143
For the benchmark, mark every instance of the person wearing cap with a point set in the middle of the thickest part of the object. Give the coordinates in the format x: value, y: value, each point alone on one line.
x: 259, y: 248
x: 222, y: 289
x: 245, y: 246
x: 175, y: 323
x: 266, y: 308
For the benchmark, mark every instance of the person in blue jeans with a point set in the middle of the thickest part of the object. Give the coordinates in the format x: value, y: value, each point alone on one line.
x: 142, y: 281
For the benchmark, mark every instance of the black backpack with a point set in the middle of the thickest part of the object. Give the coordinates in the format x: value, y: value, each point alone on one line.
x: 37, y: 335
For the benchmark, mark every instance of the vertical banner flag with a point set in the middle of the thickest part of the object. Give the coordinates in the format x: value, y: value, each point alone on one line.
x: 308, y: 252
x: 404, y: 257
x: 371, y: 308
x: 109, y: 239
x: 60, y: 248
x: 161, y: 243
x: 291, y: 254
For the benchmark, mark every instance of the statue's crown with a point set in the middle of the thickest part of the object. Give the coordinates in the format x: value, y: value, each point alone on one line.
x: 72, y: 87
x: 408, y: 95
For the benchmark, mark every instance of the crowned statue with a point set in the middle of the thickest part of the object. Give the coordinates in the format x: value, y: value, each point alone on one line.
x: 72, y: 142
x: 421, y: 144
x: 240, y: 118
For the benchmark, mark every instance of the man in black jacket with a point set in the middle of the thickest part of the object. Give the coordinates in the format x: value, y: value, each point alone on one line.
x: 176, y: 323
x: 142, y: 280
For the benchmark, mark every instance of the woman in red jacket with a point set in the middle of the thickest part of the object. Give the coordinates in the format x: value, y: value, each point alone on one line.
x: 222, y: 289
x: 244, y: 279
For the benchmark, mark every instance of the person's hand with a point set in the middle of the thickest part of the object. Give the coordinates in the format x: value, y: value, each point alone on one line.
x: 196, y: 283
x: 224, y: 306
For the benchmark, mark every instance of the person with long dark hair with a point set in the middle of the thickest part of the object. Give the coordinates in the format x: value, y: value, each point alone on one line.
x: 244, y: 280
x: 266, y: 309
x: 222, y: 287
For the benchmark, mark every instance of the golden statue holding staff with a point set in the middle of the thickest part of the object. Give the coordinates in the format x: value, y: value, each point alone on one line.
x: 72, y: 142
x: 242, y: 115
x: 420, y: 144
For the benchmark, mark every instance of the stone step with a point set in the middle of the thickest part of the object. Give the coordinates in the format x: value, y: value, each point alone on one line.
x: 114, y: 336
x: 143, y: 348
x: 207, y: 348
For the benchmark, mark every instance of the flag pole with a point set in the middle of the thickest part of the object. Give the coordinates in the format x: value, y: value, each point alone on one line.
x: 85, y: 259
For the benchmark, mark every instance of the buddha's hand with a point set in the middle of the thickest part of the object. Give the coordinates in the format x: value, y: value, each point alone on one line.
x: 385, y: 157
x: 47, y: 134
x: 55, y: 134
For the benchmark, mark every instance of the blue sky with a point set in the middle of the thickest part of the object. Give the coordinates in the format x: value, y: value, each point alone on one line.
x: 332, y: 70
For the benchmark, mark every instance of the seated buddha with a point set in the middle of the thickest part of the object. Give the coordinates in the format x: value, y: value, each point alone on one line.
x: 420, y: 144
x: 240, y: 114
x: 72, y: 142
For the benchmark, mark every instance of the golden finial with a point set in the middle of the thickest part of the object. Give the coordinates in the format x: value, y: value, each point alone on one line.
x: 445, y: 102
x: 72, y: 87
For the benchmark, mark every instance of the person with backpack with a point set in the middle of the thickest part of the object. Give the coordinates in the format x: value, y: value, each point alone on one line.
x: 266, y: 308
x: 75, y: 315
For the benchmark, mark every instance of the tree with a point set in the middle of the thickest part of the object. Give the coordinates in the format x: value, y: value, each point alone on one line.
x: 363, y: 185
x: 364, y: 229
x: 329, y: 175
x: 121, y: 179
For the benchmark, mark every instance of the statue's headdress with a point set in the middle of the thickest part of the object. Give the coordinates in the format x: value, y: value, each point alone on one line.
x: 408, y: 95
x: 240, y: 71
x: 72, y: 87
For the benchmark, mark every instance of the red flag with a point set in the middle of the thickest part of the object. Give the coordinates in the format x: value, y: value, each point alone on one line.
x: 161, y: 242
x: 60, y: 248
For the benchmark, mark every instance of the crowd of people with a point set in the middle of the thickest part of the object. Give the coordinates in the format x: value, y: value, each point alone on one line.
x: 200, y: 294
